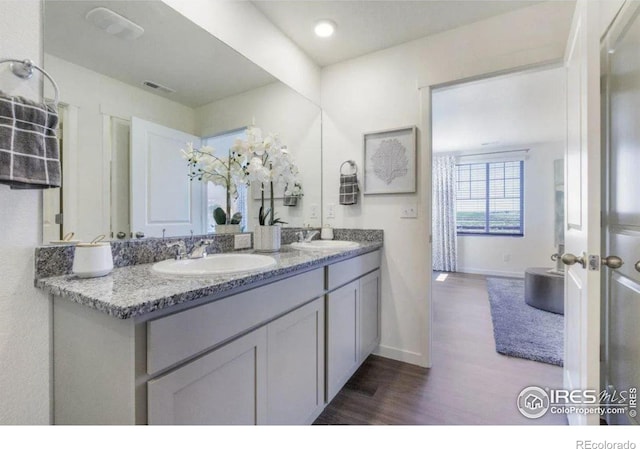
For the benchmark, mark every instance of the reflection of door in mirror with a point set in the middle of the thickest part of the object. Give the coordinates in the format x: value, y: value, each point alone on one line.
x: 120, y: 154
x: 52, y: 198
x: 217, y: 195
x: 164, y: 201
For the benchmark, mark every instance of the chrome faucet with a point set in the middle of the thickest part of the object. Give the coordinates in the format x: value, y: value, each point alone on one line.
x: 182, y: 249
x: 306, y: 236
x: 200, y: 249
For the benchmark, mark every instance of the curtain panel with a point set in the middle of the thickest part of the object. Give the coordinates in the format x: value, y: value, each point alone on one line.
x: 445, y: 248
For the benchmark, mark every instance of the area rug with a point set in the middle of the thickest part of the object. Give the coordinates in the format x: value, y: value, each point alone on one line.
x: 521, y: 330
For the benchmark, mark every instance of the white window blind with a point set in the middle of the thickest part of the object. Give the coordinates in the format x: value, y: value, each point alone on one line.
x: 489, y: 198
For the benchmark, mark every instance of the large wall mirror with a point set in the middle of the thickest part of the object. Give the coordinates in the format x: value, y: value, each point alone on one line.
x: 129, y: 104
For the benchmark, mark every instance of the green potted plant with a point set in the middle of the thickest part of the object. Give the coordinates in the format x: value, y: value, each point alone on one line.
x: 225, y: 226
x: 228, y: 172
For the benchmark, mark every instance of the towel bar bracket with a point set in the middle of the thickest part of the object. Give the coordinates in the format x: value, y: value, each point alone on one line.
x: 24, y: 69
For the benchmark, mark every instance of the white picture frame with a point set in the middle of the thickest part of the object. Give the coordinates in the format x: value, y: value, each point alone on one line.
x: 390, y: 161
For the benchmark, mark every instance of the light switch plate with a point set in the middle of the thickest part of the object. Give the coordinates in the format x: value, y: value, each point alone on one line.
x: 409, y: 211
x: 313, y: 211
x: 331, y: 211
x: 241, y: 241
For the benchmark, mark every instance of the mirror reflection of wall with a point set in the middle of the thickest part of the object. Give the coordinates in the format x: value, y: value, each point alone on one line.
x: 120, y: 181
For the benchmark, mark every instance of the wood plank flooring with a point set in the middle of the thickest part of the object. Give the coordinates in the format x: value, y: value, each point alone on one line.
x: 469, y: 383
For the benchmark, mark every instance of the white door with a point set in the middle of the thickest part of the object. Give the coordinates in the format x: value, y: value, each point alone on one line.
x: 622, y: 206
x: 582, y: 181
x: 162, y: 196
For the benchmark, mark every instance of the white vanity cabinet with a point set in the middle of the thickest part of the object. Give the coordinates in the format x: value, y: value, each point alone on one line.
x: 226, y: 386
x: 353, y: 317
x: 273, y: 375
x: 273, y: 354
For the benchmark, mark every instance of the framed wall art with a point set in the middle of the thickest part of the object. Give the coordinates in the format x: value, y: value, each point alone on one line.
x: 390, y: 161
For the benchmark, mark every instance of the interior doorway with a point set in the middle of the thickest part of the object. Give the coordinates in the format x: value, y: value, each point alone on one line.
x: 498, y: 148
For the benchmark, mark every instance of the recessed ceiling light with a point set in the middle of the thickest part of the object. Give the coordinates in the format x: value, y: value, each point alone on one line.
x: 324, y: 28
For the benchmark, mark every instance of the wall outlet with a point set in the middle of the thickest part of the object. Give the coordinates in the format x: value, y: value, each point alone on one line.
x: 331, y: 211
x: 409, y: 211
x: 313, y: 211
x: 241, y: 241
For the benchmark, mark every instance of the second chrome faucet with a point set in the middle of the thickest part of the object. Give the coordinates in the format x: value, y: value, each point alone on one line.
x: 199, y: 250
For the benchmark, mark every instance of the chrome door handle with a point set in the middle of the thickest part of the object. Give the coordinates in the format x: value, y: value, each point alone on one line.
x: 613, y: 262
x: 570, y: 259
x: 637, y: 265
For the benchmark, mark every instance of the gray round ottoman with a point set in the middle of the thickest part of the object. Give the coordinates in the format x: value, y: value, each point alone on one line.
x: 544, y: 290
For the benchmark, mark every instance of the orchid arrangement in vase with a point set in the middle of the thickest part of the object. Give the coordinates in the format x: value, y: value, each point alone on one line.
x: 269, y: 163
x: 228, y: 172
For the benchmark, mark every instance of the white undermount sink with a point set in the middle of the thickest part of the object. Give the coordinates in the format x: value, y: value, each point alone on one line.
x: 215, y: 264
x: 325, y: 245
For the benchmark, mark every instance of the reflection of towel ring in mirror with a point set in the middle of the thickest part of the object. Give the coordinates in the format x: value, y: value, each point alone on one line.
x: 353, y: 166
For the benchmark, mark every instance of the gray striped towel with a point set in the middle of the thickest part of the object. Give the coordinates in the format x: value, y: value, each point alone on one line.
x: 29, y: 151
x: 349, y: 189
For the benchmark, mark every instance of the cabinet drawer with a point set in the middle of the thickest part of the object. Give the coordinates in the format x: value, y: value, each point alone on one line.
x: 343, y: 272
x: 184, y: 334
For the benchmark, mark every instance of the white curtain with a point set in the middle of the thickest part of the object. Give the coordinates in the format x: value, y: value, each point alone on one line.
x: 444, y: 214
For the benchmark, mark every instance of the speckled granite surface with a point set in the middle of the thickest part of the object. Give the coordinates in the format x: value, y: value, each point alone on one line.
x: 58, y: 260
x: 136, y: 290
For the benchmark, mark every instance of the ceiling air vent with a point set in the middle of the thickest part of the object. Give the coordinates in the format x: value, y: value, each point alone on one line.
x: 157, y: 86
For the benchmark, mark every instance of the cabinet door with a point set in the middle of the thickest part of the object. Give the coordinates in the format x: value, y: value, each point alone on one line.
x: 343, y: 349
x: 369, y: 313
x: 226, y: 386
x: 295, y: 385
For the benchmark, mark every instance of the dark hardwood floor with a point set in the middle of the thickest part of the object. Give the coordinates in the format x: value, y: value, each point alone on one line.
x: 469, y: 383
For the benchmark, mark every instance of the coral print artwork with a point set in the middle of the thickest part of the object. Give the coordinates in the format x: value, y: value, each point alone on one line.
x: 390, y: 161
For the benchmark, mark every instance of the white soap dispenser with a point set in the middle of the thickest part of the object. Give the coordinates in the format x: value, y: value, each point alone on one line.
x: 326, y: 233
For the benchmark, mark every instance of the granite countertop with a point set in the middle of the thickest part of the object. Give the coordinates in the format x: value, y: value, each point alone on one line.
x: 136, y: 290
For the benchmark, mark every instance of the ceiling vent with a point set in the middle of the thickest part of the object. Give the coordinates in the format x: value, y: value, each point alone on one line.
x: 114, y: 24
x: 157, y: 86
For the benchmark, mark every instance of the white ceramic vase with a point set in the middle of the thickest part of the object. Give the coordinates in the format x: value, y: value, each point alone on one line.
x: 227, y: 229
x: 266, y: 239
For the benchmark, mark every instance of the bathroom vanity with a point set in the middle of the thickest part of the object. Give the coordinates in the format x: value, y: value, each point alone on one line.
x: 272, y: 347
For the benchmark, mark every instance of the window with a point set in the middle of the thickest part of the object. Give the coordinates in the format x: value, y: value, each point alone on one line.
x: 489, y: 198
x: 217, y: 195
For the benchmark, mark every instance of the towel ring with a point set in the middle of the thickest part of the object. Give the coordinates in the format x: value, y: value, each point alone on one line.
x: 352, y: 164
x: 24, y: 69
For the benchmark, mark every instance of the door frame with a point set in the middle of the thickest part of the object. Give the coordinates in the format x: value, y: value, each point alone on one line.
x: 426, y: 153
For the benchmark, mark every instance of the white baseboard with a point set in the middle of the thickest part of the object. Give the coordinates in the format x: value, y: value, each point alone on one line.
x: 510, y: 274
x: 401, y: 355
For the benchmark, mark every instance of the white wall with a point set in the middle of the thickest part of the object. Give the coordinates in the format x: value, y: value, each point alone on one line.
x: 95, y: 96
x: 24, y: 311
x: 485, y: 254
x: 276, y: 108
x: 380, y: 91
x: 243, y: 27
